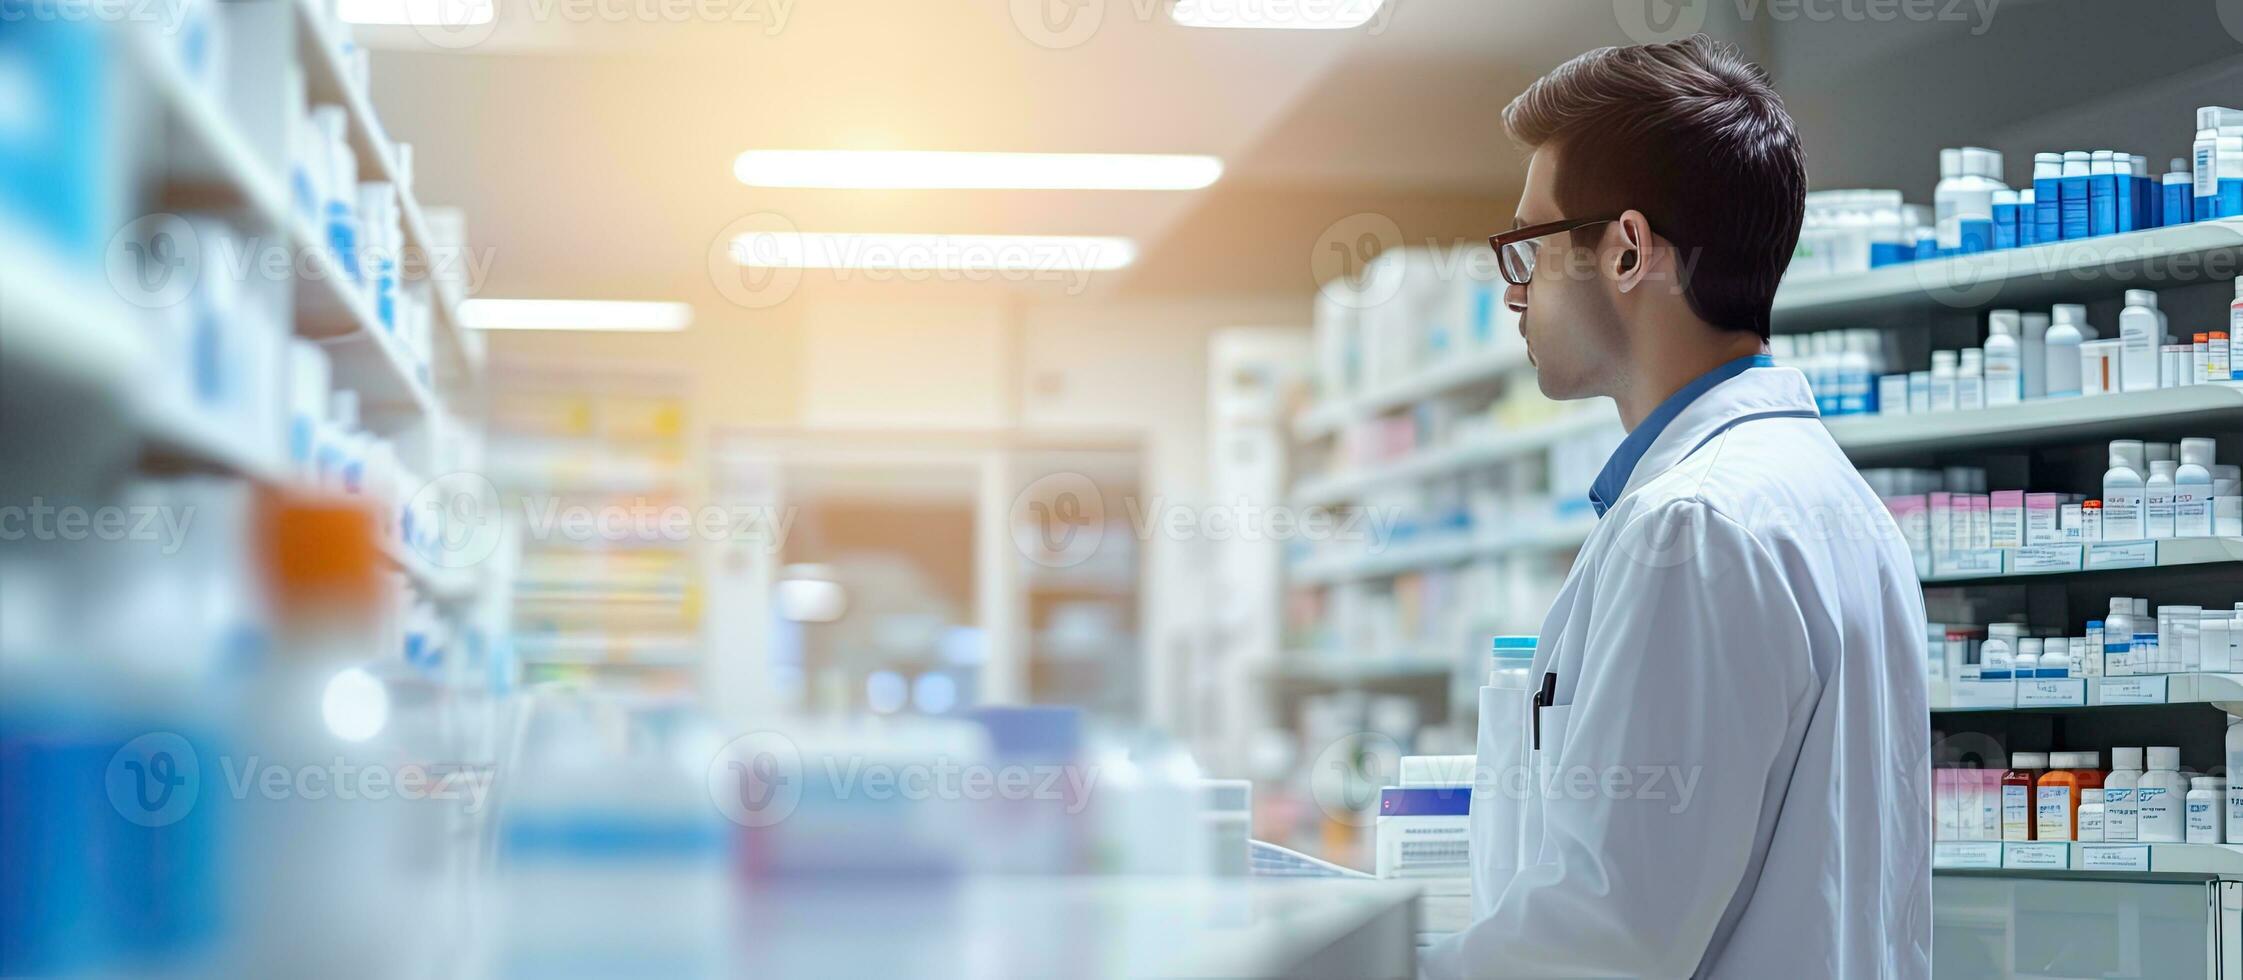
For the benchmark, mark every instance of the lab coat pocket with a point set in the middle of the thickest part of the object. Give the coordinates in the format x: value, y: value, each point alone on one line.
x: 1547, y: 773
x: 1499, y: 793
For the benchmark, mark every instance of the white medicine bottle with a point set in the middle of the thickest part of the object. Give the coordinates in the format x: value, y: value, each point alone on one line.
x: 2192, y: 489
x: 2060, y: 350
x: 2121, y: 815
x: 2204, y: 804
x: 1970, y: 380
x: 1513, y: 663
x: 2161, y: 797
x: 2093, y: 815
x: 1942, y: 381
x: 2005, y: 384
x: 2141, y: 336
x: 2157, y: 498
x: 2123, y: 491
x: 2235, y: 787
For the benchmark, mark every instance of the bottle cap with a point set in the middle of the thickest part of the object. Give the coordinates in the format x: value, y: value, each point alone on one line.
x: 2203, y: 338
x: 2207, y: 782
x: 2122, y: 606
x: 2167, y: 757
x: 2127, y: 758
x: 2091, y: 797
x: 2198, y: 451
x: 2141, y: 297
x: 2091, y: 505
x: 1997, y: 319
x: 2094, y: 624
x: 2072, y: 313
x: 2032, y: 760
x: 2087, y: 760
x: 2163, y: 467
x: 1942, y: 359
x: 1950, y: 163
x: 2128, y: 452
x: 2142, y: 610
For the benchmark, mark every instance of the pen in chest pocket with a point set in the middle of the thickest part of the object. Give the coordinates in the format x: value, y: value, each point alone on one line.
x: 1543, y: 699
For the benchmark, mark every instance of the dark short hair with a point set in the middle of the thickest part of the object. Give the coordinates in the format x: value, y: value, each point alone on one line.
x: 1693, y: 136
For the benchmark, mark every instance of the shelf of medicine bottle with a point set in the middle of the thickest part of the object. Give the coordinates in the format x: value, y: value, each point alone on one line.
x: 213, y: 157
x: 1461, y: 371
x: 440, y: 584
x: 1437, y: 551
x: 2133, y: 690
x: 2093, y: 861
x: 1876, y: 438
x: 1440, y: 461
x: 368, y: 357
x: 1341, y: 670
x: 327, y: 81
x: 2091, y: 268
x: 2164, y: 553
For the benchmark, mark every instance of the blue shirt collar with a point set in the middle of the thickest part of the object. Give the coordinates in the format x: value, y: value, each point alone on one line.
x: 1613, y: 479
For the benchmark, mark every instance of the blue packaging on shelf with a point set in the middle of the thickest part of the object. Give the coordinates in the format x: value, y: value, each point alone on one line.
x: 2048, y: 205
x: 2005, y: 225
x: 2102, y: 204
x: 2074, y: 211
x: 2177, y: 202
x: 57, y: 167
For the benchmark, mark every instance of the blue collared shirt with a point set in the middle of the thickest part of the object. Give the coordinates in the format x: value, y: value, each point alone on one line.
x: 1614, y: 477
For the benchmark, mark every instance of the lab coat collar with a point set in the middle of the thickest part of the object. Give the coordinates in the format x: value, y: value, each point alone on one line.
x: 1753, y: 391
x: 1613, y: 480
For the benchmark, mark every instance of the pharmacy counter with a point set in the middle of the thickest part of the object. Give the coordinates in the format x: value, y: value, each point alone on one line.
x: 698, y: 923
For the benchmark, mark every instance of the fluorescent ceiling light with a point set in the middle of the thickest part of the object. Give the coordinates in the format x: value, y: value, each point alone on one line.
x: 967, y: 253
x: 574, y: 314
x: 1302, y: 15
x: 928, y: 169
x: 422, y: 13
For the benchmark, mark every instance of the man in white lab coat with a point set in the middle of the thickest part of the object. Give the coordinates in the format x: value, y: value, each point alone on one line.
x: 1722, y: 767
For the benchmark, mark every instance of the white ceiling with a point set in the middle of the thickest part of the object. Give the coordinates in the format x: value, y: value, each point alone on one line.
x: 594, y: 158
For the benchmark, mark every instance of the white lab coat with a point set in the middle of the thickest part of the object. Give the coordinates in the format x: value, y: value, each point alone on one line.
x: 1735, y: 777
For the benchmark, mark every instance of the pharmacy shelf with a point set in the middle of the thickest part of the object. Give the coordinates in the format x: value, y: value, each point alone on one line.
x: 1332, y: 669
x: 62, y: 326
x: 591, y: 648
x: 2051, y: 421
x: 1446, y: 460
x: 192, y: 441
x: 1442, y: 550
x: 2092, y: 861
x: 1459, y: 372
x: 2103, y: 692
x: 327, y: 81
x: 369, y: 358
x: 433, y: 581
x: 2090, y: 268
x: 217, y: 156
x: 2170, y: 553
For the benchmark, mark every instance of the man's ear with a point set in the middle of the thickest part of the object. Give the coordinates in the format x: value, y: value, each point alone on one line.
x: 1629, y: 263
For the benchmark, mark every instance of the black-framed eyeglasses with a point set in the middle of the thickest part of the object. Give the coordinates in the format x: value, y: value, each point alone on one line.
x: 1515, y: 249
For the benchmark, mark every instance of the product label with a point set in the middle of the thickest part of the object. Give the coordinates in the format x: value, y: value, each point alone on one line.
x: 2047, y: 558
x: 2235, y: 812
x: 2017, y: 813
x: 2037, y: 857
x: 2192, y: 514
x: 2122, y: 515
x: 2203, y: 821
x: 1966, y: 854
x: 2158, y: 814
x: 2051, y: 692
x: 2115, y: 857
x: 2052, y: 813
x: 2125, y: 554
x: 2119, y: 814
x: 2134, y: 690
x: 1973, y: 562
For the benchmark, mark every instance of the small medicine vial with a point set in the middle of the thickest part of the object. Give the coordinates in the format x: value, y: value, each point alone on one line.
x: 2091, y: 816
x: 2205, y: 795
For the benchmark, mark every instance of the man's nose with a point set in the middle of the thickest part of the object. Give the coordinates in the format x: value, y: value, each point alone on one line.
x: 1515, y: 298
